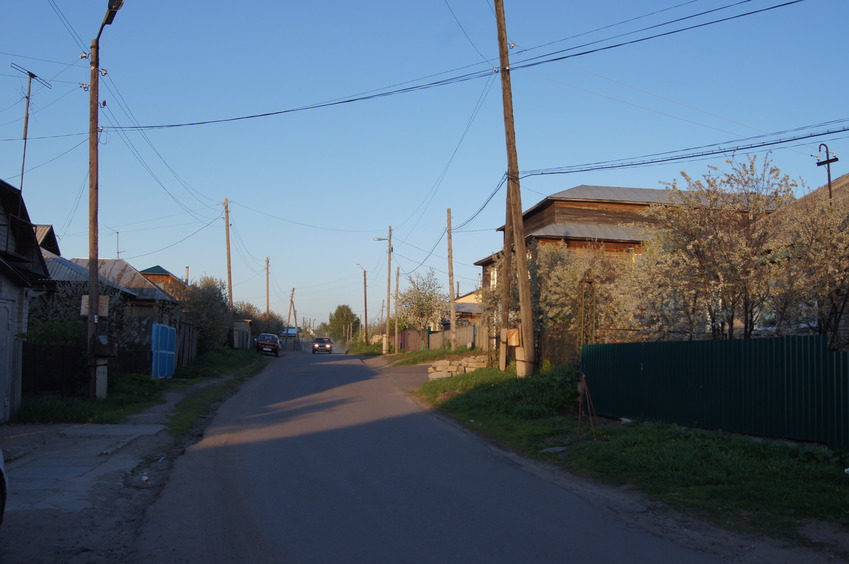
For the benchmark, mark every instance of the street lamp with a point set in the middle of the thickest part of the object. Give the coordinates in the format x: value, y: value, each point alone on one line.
x: 829, y: 158
x: 388, y: 286
x: 365, y: 304
x: 94, y: 104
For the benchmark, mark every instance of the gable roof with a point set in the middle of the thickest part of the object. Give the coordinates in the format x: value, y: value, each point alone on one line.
x: 64, y: 270
x: 591, y: 231
x: 156, y: 270
x: 19, y: 249
x: 613, y: 194
x: 46, y: 238
x: 585, y: 193
x: 123, y: 274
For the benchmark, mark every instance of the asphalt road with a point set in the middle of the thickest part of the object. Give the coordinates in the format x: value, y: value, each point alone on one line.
x: 321, y: 458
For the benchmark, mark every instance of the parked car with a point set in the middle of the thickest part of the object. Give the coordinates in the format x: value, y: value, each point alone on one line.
x: 4, y: 487
x: 268, y: 343
x: 322, y: 344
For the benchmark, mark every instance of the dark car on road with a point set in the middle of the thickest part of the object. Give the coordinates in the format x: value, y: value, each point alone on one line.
x: 268, y: 343
x: 322, y: 344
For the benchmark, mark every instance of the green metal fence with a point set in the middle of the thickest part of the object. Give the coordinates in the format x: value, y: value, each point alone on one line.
x: 789, y: 388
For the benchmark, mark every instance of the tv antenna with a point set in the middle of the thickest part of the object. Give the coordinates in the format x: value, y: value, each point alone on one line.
x: 30, y: 76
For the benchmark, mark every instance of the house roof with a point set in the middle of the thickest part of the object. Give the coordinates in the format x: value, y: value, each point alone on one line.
x: 590, y: 231
x: 47, y: 238
x: 123, y: 274
x: 614, y: 194
x: 619, y: 194
x: 64, y: 270
x: 156, y: 270
x: 20, y: 248
x: 468, y: 307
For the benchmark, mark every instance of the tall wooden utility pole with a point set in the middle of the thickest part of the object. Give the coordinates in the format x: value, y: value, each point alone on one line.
x: 267, y: 305
x: 525, y: 356
x: 451, y: 295
x: 397, y: 278
x: 229, y: 271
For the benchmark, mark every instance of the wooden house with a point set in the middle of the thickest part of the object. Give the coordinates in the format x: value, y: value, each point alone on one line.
x: 21, y: 266
x: 175, y: 287
x: 150, y: 302
x: 585, y: 218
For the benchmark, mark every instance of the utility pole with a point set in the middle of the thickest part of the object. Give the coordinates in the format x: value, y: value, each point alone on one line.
x: 365, y: 303
x: 291, y: 307
x: 30, y: 76
x: 267, y: 306
x: 397, y: 278
x: 829, y: 158
x: 525, y: 356
x: 388, y: 291
x: 96, y: 364
x: 229, y: 271
x: 451, y: 295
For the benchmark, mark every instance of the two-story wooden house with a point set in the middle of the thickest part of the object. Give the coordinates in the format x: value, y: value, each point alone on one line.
x: 585, y: 218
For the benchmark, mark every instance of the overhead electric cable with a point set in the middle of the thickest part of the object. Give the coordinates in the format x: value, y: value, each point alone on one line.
x: 177, y: 242
x: 657, y: 159
x: 460, y: 25
x: 540, y: 60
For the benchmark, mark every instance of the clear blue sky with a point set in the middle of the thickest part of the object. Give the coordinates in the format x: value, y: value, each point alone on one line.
x: 311, y: 187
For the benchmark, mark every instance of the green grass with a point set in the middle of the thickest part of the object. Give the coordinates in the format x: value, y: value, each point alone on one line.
x: 375, y: 349
x: 203, y: 401
x: 126, y: 394
x: 764, y: 487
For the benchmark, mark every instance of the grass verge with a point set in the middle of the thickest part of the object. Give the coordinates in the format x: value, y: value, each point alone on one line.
x: 204, y: 399
x: 755, y: 486
x: 128, y: 394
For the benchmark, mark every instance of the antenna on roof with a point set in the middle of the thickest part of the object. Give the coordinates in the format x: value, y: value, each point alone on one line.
x: 30, y: 77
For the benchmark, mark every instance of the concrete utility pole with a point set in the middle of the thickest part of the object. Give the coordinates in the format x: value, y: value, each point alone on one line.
x: 525, y: 356
x: 388, y: 287
x: 229, y: 270
x: 451, y: 295
x: 291, y: 307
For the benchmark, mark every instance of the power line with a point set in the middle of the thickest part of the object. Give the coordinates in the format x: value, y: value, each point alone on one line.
x: 540, y: 60
x: 697, y: 153
x: 535, y: 61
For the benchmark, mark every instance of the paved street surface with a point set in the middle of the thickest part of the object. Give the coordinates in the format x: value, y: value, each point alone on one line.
x: 321, y: 459
x: 325, y: 458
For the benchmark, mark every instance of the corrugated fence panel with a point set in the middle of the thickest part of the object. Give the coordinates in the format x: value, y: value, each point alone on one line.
x: 164, y: 348
x: 790, y: 387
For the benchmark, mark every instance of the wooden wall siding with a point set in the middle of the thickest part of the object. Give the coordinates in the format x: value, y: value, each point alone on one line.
x: 605, y: 214
x: 600, y: 213
x: 609, y: 247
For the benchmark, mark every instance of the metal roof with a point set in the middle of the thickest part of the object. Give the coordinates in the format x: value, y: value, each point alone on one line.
x: 591, y: 231
x: 614, y: 194
x: 120, y: 272
x: 64, y: 270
